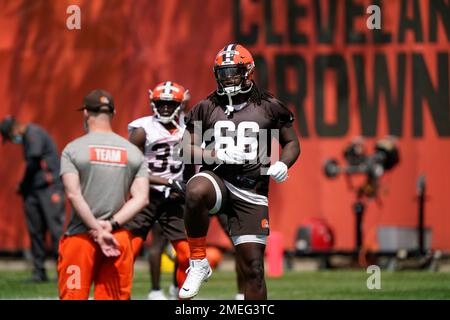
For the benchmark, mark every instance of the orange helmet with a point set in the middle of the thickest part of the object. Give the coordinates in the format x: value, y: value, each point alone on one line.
x: 167, y: 100
x: 233, y: 69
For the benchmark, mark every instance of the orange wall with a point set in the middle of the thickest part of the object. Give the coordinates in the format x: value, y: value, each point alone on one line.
x: 128, y: 46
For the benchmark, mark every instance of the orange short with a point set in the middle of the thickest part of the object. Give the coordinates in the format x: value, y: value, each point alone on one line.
x: 81, y: 263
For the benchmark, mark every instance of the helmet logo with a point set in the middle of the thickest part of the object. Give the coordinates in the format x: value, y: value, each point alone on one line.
x: 229, y: 52
x: 228, y: 56
x: 169, y: 94
x: 167, y: 88
x: 166, y: 96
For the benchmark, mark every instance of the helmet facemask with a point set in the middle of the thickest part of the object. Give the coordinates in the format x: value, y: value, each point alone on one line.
x: 230, y: 81
x: 167, y: 111
x: 167, y: 101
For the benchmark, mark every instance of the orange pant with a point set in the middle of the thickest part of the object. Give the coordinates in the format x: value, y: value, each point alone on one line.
x: 136, y: 244
x: 182, y: 250
x: 82, y: 262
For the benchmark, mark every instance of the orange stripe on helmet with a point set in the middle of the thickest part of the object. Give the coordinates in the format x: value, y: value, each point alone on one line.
x: 235, y: 54
x: 170, y: 91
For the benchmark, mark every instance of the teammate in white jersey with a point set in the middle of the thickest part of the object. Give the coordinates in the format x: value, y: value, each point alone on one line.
x: 158, y: 136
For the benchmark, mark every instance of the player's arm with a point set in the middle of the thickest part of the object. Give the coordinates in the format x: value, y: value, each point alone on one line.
x: 229, y: 155
x: 193, y: 153
x: 138, y: 137
x: 192, y: 145
x: 289, y: 154
x: 158, y: 181
x: 139, y: 199
x: 193, y: 139
x: 290, y: 146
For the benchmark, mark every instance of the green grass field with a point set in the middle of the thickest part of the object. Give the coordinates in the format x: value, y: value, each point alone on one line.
x: 302, y: 285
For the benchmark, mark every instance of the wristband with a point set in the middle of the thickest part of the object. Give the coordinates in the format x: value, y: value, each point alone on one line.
x: 115, y: 225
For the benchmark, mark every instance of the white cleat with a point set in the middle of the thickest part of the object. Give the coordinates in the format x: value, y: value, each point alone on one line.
x: 156, y: 295
x: 239, y: 296
x: 173, y: 292
x: 198, y: 272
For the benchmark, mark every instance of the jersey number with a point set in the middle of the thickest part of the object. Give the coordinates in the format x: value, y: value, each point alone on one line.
x: 163, y: 152
x: 248, y: 143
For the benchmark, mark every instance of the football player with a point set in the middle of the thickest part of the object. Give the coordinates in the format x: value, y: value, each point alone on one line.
x: 158, y: 137
x: 234, y: 179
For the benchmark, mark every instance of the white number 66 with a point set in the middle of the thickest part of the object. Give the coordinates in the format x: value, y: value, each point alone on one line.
x: 223, y: 141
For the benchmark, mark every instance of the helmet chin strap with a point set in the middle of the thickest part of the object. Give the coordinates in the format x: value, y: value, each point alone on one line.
x: 167, y: 120
x: 230, y: 93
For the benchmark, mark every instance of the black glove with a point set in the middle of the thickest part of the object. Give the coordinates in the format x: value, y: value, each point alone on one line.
x: 178, y: 187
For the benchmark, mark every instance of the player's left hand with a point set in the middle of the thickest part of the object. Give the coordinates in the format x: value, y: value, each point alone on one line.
x: 175, y: 196
x: 231, y: 155
x: 177, y: 187
x: 278, y: 171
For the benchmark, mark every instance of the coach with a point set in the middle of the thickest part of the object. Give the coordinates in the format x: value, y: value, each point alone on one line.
x: 40, y: 187
x: 106, y: 181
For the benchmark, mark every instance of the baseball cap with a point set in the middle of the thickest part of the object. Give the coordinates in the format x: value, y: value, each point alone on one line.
x: 6, y: 126
x: 96, y: 99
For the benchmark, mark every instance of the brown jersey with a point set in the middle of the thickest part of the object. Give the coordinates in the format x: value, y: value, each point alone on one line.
x: 251, y: 127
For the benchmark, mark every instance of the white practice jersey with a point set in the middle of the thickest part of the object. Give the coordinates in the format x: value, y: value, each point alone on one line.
x: 160, y: 149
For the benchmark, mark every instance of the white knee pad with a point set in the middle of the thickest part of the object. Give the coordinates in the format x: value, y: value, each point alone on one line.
x: 218, y: 203
x: 249, y: 238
